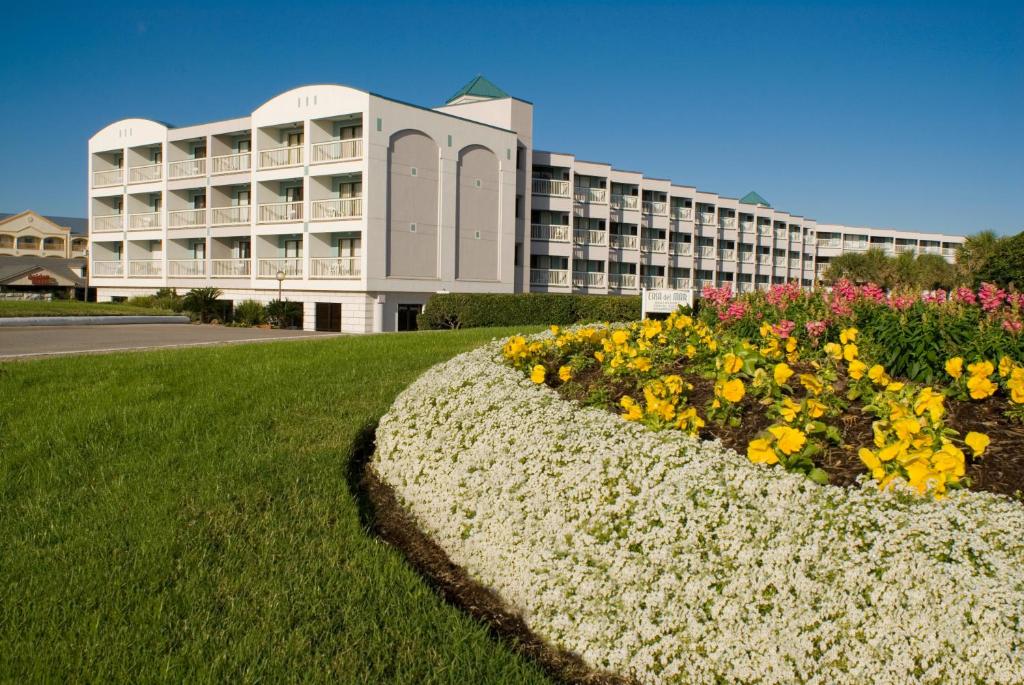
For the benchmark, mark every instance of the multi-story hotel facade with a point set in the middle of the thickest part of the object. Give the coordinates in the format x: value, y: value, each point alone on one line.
x: 362, y: 207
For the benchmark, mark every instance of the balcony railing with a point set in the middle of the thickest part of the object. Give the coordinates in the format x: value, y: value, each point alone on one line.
x: 705, y: 250
x: 744, y: 287
x: 186, y: 268
x: 682, y: 249
x: 653, y: 245
x: 747, y: 257
x: 108, y: 223
x: 549, y: 277
x: 336, y: 208
x: 145, y: 268
x: 794, y: 263
x: 231, y: 216
x: 110, y: 177
x: 143, y: 221
x: 764, y: 259
x: 552, y: 233
x: 905, y: 248
x: 727, y: 222
x: 145, y: 174
x: 622, y: 242
x: 764, y: 230
x: 231, y: 164
x: 281, y: 157
x: 187, y: 168
x: 680, y: 283
x: 746, y: 226
x: 781, y: 233
x: 856, y: 245
x: 656, y: 207
x: 727, y: 255
x: 948, y: 251
x: 268, y: 268
x: 107, y: 269
x: 582, y: 279
x: 682, y: 213
x: 334, y: 267
x: 930, y: 249
x: 707, y: 218
x: 589, y: 237
x: 240, y: 267
x: 588, y: 195
x: 829, y: 242
x: 186, y: 218
x: 652, y: 281
x: 625, y: 202
x: 280, y: 212
x: 336, y: 151
x: 548, y: 186
x: 621, y: 281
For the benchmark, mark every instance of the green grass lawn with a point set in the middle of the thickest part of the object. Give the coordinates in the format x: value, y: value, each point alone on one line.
x: 73, y: 308
x: 186, y: 516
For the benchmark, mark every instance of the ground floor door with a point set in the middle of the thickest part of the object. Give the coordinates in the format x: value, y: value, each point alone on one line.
x: 407, y: 314
x: 328, y: 316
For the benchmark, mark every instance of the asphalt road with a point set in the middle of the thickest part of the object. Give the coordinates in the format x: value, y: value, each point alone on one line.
x: 41, y: 341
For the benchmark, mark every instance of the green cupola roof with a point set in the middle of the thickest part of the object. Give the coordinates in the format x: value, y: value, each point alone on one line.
x: 478, y: 89
x: 752, y: 198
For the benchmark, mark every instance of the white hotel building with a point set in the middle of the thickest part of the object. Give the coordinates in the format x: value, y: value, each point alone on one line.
x: 361, y: 207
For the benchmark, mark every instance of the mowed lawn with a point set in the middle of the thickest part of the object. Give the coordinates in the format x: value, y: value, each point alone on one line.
x: 187, y: 516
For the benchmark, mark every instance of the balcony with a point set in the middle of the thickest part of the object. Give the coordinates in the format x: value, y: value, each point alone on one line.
x: 747, y: 226
x: 905, y: 248
x: 949, y: 252
x: 794, y: 263
x: 231, y: 216
x: 145, y: 174
x: 110, y: 177
x: 781, y: 233
x: 625, y: 202
x: 856, y: 245
x: 231, y: 268
x: 588, y: 279
x: 829, y: 242
x: 591, y: 195
x: 682, y: 213
x: 280, y: 212
x: 727, y: 222
x: 145, y: 268
x: 547, y: 186
x: 336, y: 209
x: 549, y: 277
x: 108, y: 224
x: 552, y: 233
x: 706, y: 251
x: 334, y: 267
x: 143, y: 222
x: 186, y: 218
x: 747, y: 257
x: 706, y: 218
x: 186, y: 268
x: 623, y: 242
x: 681, y: 249
x: 108, y: 269
x: 727, y: 255
x: 336, y: 151
x: 187, y: 168
x: 764, y: 230
x: 701, y: 282
x: 231, y: 164
x: 655, y: 282
x: 281, y: 157
x: 656, y: 245
x: 930, y: 249
x: 655, y: 207
x: 268, y: 268
x: 680, y: 283
x: 588, y: 237
x: 764, y: 259
x: 621, y: 281
x: 744, y: 287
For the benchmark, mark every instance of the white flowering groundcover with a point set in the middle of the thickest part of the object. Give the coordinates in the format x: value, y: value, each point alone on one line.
x: 665, y: 559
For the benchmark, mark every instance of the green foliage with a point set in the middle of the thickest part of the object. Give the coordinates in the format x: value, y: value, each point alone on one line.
x: 465, y: 310
x: 972, y: 256
x: 165, y: 298
x: 75, y: 308
x: 904, y: 271
x: 284, y: 313
x: 202, y: 302
x: 1005, y: 263
x: 250, y: 313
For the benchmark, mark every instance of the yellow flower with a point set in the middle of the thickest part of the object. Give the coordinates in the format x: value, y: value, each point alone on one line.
x: 782, y: 373
x: 731, y: 363
x: 977, y: 442
x: 620, y: 337
x: 848, y: 335
x: 760, y: 451
x: 981, y: 369
x: 872, y: 462
x: 950, y: 459
x: 905, y: 428
x: 538, y: 373
x: 642, y: 364
x: 1005, y: 366
x: 766, y: 329
x: 565, y: 373
x: 791, y: 344
x: 833, y: 350
x: 955, y: 367
x: 980, y: 387
x: 789, y: 440
x: 789, y: 410
x: 815, y: 409
x: 850, y: 352
x: 892, y: 451
x: 554, y: 330
x: 812, y: 383
x: 857, y: 369
x: 633, y: 411
x: 919, y: 474
x: 930, y: 401
x: 877, y: 374
x: 1017, y: 393
x: 895, y: 386
x: 599, y: 356
x: 733, y: 390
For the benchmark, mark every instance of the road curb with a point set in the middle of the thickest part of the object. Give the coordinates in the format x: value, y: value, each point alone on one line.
x: 87, y: 320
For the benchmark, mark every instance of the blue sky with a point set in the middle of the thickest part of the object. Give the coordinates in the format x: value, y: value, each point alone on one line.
x: 909, y: 115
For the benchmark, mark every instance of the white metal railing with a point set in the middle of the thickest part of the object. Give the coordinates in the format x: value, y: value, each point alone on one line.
x: 549, y: 277
x: 143, y: 221
x: 145, y: 174
x: 110, y: 177
x: 231, y: 164
x: 746, y: 226
x: 582, y: 279
x: 905, y: 248
x: 622, y: 242
x: 684, y: 213
x: 652, y: 281
x: 106, y: 269
x: 764, y: 230
x: 108, y: 223
x: 334, y: 267
x: 705, y: 250
x: 553, y: 233
x: 706, y: 218
x: 228, y: 216
x: 781, y: 233
x: 187, y: 168
x: 268, y: 268
x: 727, y: 254
x: 764, y: 259
x: 727, y: 222
x: 856, y: 245
x: 930, y: 249
x: 829, y: 242
x: 747, y: 257
x: 744, y: 287
x: 683, y: 249
x: 948, y: 251
x: 282, y: 156
x: 186, y: 268
x: 589, y: 237
x: 794, y: 263
x: 240, y: 267
x: 655, y: 207
x: 625, y: 202
x: 548, y: 186
x: 336, y: 151
x: 280, y: 212
x: 680, y: 283
x: 621, y: 281
x: 145, y: 268
x: 587, y: 195
x: 653, y: 245
x: 186, y: 218
x: 795, y: 236
x: 336, y: 208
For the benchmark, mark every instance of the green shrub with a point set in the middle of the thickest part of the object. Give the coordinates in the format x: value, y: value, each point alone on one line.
x: 284, y: 313
x: 473, y: 310
x: 202, y: 303
x: 250, y: 313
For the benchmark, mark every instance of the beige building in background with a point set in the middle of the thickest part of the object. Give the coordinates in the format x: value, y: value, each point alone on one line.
x: 361, y: 207
x: 28, y: 234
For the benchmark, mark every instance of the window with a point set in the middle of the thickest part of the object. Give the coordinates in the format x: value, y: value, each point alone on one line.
x: 199, y: 150
x: 199, y: 201
x: 294, y: 138
x: 293, y: 194
x: 293, y: 249
x: 407, y: 314
x: 156, y: 155
x: 348, y: 247
x: 199, y: 250
x: 243, y: 249
x: 242, y: 198
x: 346, y: 190
x: 243, y: 146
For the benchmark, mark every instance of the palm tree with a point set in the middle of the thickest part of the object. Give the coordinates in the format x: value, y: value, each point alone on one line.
x: 974, y: 254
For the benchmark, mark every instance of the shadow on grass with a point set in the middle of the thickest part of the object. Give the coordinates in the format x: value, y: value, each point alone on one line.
x: 382, y: 515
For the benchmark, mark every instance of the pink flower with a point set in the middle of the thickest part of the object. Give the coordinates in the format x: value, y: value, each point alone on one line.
x: 720, y: 297
x: 815, y: 328
x: 900, y: 302
x: 783, y: 328
x: 1012, y: 326
x: 991, y: 296
x: 872, y: 292
x: 965, y: 296
x: 735, y: 311
x: 781, y: 294
x: 934, y: 297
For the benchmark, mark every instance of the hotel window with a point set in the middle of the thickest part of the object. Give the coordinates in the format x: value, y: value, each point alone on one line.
x: 199, y: 201
x: 244, y: 146
x: 293, y: 194
x: 350, y: 132
x: 242, y: 198
x: 243, y: 249
x: 199, y: 150
x: 292, y: 249
x: 199, y: 250
x: 346, y: 190
x: 295, y: 138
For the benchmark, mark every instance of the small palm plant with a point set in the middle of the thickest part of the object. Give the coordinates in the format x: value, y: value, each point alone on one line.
x: 202, y: 302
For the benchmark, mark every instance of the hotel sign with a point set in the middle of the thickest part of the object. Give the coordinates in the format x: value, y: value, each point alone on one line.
x: 663, y: 301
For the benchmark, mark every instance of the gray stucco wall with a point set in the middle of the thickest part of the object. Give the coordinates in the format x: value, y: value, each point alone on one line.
x: 477, y: 219
x: 413, y: 174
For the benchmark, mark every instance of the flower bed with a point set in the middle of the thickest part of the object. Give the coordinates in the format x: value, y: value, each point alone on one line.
x: 664, y: 558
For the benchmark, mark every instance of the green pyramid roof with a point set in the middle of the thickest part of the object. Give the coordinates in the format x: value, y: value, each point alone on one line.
x: 752, y: 198
x: 481, y: 88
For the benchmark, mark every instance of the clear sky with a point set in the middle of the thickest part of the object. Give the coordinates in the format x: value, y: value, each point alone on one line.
x: 906, y: 115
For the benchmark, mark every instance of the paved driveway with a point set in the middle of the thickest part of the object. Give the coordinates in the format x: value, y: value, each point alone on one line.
x: 40, y: 341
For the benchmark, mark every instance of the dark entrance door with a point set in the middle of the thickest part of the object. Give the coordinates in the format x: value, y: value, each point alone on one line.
x: 328, y: 316
x: 407, y: 314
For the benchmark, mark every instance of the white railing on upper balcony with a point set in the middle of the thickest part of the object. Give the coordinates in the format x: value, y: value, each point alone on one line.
x: 905, y: 248
x: 589, y: 237
x: 680, y: 248
x: 336, y: 151
x: 621, y: 281
x: 625, y: 202
x: 856, y: 245
x: 764, y: 230
x: 280, y: 157
x: 280, y: 212
x: 706, y: 218
x: 239, y: 267
x: 231, y: 216
x: 930, y: 249
x: 781, y: 233
x: 143, y: 221
x: 588, y: 195
x: 727, y: 222
x: 145, y: 268
x: 145, y: 174
x: 548, y: 186
x: 186, y: 218
x: 187, y: 168
x: 727, y: 254
x: 334, y: 267
x: 653, y: 245
x: 747, y: 226
x: 764, y: 258
x: 652, y: 281
x: 681, y: 283
x: 582, y: 279
x: 108, y: 268
x: 622, y: 242
x: 829, y: 242
x: 549, y: 276
x: 794, y: 263
x: 552, y: 233
x: 231, y: 164
x: 744, y: 287
x: 336, y: 209
x: 656, y: 207
x: 795, y: 236
x: 108, y: 223
x: 110, y: 177
x: 268, y: 268
x: 705, y: 250
x: 186, y: 268
x: 948, y: 251
x: 683, y: 213
x: 746, y: 256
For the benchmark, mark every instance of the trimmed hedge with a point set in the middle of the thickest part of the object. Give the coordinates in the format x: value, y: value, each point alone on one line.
x: 473, y: 310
